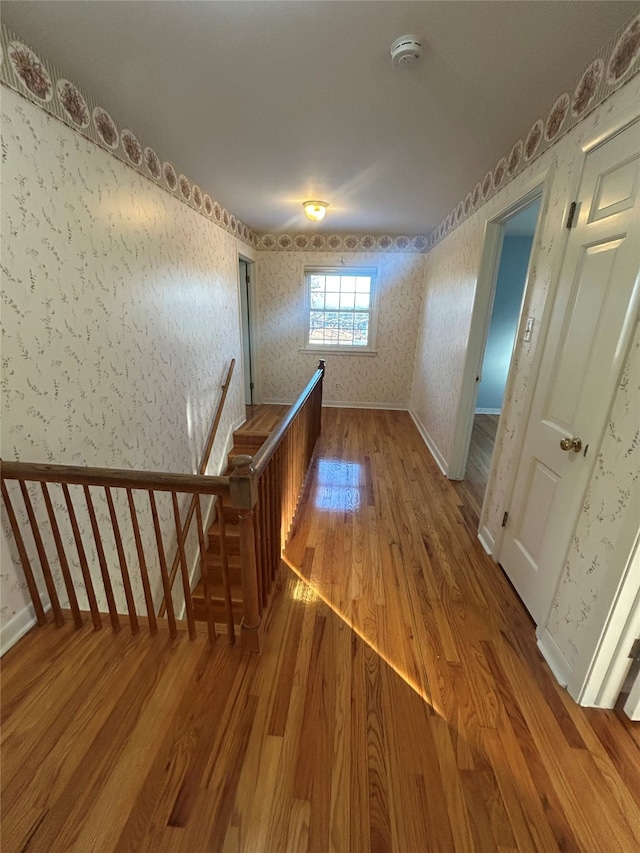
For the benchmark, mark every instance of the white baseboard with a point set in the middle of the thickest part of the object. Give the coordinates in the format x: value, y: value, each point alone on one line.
x: 338, y: 404
x: 486, y: 540
x: 344, y: 404
x: 433, y: 449
x: 488, y: 411
x: 558, y: 664
x: 19, y: 624
x: 277, y: 402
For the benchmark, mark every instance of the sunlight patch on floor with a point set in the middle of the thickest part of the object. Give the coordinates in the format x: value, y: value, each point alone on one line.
x: 339, y: 485
x: 314, y: 594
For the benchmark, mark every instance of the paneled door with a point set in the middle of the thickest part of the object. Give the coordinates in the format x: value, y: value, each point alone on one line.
x: 595, y: 308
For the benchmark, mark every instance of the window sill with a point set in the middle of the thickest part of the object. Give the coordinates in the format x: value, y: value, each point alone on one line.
x: 339, y: 351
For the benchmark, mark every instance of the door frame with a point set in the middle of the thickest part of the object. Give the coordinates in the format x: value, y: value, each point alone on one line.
x: 537, y: 187
x: 600, y: 671
x: 252, y: 318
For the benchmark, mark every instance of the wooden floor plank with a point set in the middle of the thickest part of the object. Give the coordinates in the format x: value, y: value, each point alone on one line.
x: 400, y: 703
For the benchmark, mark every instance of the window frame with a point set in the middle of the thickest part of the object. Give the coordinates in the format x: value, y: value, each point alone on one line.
x: 346, y: 270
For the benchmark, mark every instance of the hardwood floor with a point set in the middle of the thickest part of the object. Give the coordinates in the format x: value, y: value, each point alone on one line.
x: 400, y: 703
x: 474, y: 485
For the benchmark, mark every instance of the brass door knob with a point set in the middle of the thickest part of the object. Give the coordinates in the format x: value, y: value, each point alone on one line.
x: 574, y: 444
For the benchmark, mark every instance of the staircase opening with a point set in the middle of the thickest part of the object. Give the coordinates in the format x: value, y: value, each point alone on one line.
x: 223, y: 536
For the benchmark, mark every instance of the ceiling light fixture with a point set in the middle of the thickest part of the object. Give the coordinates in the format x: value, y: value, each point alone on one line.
x: 315, y: 210
x: 406, y: 51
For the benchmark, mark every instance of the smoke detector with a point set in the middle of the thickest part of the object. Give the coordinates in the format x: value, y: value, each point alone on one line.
x: 406, y: 51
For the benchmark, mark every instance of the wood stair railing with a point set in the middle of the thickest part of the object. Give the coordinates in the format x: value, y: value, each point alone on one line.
x: 67, y: 515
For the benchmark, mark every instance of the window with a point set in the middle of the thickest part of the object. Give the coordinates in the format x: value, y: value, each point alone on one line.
x: 340, y: 308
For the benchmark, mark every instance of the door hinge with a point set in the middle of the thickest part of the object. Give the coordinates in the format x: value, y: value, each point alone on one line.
x: 635, y: 650
x: 251, y: 386
x: 505, y: 517
x: 571, y: 217
x: 248, y: 279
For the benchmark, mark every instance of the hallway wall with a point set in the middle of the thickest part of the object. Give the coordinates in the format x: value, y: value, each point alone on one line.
x: 383, y: 379
x: 120, y: 316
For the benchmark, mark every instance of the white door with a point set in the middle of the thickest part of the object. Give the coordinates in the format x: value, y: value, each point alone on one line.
x: 590, y: 325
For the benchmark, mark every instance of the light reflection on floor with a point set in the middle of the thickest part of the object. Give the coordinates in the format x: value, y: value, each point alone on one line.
x: 313, y: 594
x: 339, y: 485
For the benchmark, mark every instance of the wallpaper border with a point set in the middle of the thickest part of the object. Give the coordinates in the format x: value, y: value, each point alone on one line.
x: 615, y: 64
x: 38, y: 81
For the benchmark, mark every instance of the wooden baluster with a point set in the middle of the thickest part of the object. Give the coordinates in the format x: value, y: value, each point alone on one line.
x: 62, y: 557
x: 287, y: 487
x: 226, y: 584
x: 289, y: 482
x: 82, y: 557
x: 244, y: 496
x: 262, y: 550
x: 265, y: 498
x: 128, y: 592
x: 171, y: 618
x: 44, y: 562
x: 277, y: 527
x: 104, y: 569
x: 148, y: 597
x: 188, y: 601
x: 273, y: 508
x: 24, y: 559
x: 297, y: 457
x: 262, y: 587
x: 211, y: 628
x: 283, y: 499
x: 286, y: 448
x: 297, y: 449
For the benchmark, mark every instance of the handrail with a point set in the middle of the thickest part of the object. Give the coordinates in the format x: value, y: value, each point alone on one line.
x: 266, y: 491
x: 201, y: 469
x: 77, y: 475
x: 216, y: 421
x: 262, y: 457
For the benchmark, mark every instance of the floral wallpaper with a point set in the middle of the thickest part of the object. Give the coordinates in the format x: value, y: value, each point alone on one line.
x: 383, y: 379
x: 34, y: 78
x: 616, y: 476
x: 119, y: 318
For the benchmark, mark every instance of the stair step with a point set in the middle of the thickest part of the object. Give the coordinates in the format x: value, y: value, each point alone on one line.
x: 232, y: 538
x: 218, y: 606
x: 250, y: 436
x: 231, y: 515
x: 213, y: 568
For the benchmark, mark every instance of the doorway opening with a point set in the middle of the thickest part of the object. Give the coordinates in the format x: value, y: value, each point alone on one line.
x: 514, y: 242
x: 247, y: 329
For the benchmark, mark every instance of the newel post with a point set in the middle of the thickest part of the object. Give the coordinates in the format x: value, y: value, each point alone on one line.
x: 244, y: 495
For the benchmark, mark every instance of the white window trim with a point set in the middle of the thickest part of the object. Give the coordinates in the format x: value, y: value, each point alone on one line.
x: 355, y: 269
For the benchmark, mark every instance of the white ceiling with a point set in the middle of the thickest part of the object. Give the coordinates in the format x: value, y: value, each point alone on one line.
x: 265, y: 104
